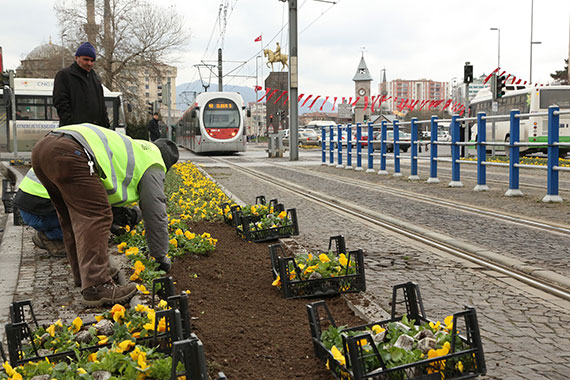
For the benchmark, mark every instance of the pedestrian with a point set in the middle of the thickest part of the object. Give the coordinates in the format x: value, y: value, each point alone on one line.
x: 33, y: 203
x: 154, y: 127
x: 87, y: 169
x: 78, y: 93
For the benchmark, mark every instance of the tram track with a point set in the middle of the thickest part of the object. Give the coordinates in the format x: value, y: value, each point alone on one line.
x: 537, y: 278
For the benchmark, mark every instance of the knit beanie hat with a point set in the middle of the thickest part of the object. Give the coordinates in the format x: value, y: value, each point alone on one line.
x: 168, y: 150
x: 85, y: 49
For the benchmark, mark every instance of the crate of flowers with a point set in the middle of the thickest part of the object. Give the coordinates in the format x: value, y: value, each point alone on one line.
x: 409, y: 346
x: 318, y: 274
x: 259, y: 209
x: 272, y: 226
x: 157, y: 327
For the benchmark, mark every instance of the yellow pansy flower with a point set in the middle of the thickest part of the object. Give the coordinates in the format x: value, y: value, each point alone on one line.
x: 77, y: 323
x: 81, y: 371
x: 338, y: 356
x: 378, y: 329
x: 342, y: 259
x: 277, y: 281
x: 132, y: 251
x: 178, y: 232
x: 189, y: 235
x: 141, y: 288
x: 121, y: 247
x: 174, y: 242
x: 51, y: 330
x: 324, y: 258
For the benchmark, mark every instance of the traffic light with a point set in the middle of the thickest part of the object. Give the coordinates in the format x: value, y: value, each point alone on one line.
x: 468, y: 73
x: 150, y: 107
x: 159, y: 93
x: 500, y: 86
x: 5, y: 79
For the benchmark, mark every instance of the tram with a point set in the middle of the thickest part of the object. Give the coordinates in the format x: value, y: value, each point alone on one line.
x: 215, y: 122
x: 36, y: 115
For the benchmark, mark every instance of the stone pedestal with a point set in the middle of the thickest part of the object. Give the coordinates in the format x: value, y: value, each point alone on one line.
x: 280, y: 111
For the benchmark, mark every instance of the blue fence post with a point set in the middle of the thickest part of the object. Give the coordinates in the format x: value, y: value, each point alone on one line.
x: 455, y: 166
x: 358, y: 147
x: 553, y: 151
x: 414, y: 153
x: 396, y: 147
x: 348, y: 147
x: 324, y: 146
x: 383, y: 134
x: 339, y: 147
x: 514, y: 156
x: 331, y: 146
x: 481, y: 153
x: 433, y: 152
x: 370, y: 149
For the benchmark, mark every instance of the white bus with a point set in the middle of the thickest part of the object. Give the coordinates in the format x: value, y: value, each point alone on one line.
x: 36, y: 115
x: 526, y: 100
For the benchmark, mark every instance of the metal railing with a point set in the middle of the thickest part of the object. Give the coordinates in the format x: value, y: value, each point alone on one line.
x: 344, y: 137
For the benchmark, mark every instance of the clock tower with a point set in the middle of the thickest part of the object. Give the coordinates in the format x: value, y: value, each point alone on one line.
x: 362, y: 81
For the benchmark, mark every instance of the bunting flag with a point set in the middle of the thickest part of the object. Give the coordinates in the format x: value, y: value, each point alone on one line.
x: 272, y: 93
x: 300, y: 97
x: 306, y: 100
x: 258, y: 88
x: 314, y: 101
x: 322, y: 105
x: 334, y: 103
x: 490, y: 75
x: 349, y: 100
x: 266, y: 91
x: 365, y: 103
x: 258, y: 39
x: 374, y: 98
x: 447, y: 103
x: 356, y: 101
x: 286, y: 100
x: 280, y: 96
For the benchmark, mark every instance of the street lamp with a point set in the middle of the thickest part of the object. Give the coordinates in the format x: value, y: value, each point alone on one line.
x: 498, y: 46
x: 531, y: 41
x: 62, y: 51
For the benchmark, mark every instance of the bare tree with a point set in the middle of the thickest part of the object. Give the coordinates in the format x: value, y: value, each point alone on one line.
x: 136, y: 37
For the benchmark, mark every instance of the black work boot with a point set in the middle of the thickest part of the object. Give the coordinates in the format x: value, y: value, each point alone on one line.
x: 108, y: 293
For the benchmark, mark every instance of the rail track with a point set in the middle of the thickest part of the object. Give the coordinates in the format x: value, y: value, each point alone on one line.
x: 480, y: 257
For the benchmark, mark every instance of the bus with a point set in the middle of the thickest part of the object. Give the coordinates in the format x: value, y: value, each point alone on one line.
x: 36, y: 114
x: 527, y: 100
x: 215, y: 122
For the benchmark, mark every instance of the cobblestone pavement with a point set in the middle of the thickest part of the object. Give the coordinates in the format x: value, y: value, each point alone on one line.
x: 525, y: 332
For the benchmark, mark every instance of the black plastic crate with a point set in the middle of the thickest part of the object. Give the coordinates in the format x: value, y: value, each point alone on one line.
x: 230, y: 216
x: 248, y: 230
x: 18, y: 332
x: 286, y: 267
x: 8, y: 193
x: 358, y: 360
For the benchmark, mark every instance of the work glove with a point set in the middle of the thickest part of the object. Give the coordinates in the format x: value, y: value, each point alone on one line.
x: 164, y: 263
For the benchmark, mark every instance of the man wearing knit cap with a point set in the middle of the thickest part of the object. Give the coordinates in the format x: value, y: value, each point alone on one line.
x: 78, y: 93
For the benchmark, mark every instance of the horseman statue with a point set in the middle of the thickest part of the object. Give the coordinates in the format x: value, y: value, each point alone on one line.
x: 275, y: 56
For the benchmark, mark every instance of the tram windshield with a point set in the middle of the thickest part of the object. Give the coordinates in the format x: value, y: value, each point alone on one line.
x: 221, y: 113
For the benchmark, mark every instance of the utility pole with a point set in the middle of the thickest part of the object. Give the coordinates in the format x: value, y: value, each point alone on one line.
x: 168, y: 101
x: 220, y: 84
x: 293, y: 83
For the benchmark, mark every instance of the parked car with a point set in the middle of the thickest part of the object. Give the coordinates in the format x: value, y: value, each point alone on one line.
x: 305, y: 137
x: 443, y: 136
x: 404, y: 141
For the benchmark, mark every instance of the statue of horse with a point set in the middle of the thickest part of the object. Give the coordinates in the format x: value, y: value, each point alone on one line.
x: 272, y: 57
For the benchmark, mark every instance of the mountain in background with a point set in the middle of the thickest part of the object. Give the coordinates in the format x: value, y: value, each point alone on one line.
x: 186, y: 92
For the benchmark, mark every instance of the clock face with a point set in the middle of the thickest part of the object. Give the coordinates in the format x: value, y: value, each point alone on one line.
x: 362, y: 92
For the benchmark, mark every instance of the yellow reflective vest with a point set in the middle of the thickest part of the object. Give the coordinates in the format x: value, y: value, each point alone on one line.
x: 119, y: 160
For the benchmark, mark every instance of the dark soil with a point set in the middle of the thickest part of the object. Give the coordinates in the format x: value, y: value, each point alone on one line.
x: 248, y: 330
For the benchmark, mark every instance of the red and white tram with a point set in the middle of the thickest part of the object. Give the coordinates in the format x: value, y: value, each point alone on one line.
x: 214, y: 123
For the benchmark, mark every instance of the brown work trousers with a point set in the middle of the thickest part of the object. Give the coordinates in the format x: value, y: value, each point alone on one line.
x: 82, y: 206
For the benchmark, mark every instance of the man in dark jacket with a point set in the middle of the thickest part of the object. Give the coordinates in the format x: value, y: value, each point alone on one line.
x: 153, y: 127
x: 78, y: 93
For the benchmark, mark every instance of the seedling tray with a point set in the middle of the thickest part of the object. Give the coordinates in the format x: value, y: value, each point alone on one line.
x: 230, y: 217
x: 357, y: 359
x: 248, y: 230
x: 286, y: 268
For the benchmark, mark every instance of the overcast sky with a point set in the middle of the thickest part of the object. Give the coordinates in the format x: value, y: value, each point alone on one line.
x: 411, y: 39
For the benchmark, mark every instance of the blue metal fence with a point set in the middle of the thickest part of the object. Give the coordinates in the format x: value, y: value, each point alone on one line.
x: 343, y: 141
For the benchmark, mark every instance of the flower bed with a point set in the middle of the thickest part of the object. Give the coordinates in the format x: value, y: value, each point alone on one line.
x: 406, y: 347
x: 318, y: 275
x: 269, y: 227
